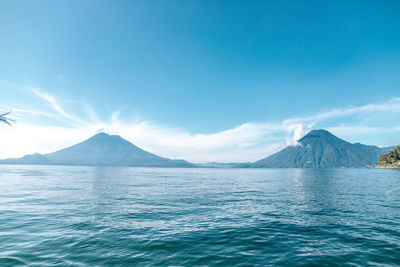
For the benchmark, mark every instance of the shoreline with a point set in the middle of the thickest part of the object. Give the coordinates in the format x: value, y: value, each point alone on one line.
x: 383, y: 167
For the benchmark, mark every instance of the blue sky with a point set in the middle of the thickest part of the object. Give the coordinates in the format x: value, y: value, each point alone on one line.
x: 200, y: 80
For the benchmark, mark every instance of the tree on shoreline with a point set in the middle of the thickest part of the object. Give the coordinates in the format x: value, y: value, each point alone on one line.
x: 4, y: 119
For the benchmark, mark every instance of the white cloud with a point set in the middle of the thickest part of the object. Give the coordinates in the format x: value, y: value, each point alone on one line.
x: 24, y: 139
x: 299, y: 130
x: 250, y: 141
x: 247, y: 142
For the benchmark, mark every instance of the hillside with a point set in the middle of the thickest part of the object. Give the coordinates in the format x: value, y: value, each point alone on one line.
x: 100, y: 150
x: 321, y: 149
x: 391, y: 159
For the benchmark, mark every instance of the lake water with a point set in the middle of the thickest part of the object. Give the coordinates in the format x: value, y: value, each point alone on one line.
x: 96, y: 216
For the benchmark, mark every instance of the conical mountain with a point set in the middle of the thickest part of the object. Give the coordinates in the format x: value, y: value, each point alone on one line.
x: 101, y: 150
x: 321, y: 149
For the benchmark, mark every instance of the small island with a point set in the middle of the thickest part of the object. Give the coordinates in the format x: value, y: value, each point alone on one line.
x: 390, y: 160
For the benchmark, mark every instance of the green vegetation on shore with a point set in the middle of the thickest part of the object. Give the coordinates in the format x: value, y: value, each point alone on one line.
x: 391, y: 159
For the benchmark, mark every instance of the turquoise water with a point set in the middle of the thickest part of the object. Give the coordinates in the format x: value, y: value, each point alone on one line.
x: 91, y: 216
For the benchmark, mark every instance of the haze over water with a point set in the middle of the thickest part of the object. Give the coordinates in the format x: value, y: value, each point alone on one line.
x: 71, y: 216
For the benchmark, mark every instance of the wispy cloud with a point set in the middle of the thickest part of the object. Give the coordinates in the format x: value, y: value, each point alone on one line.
x: 393, y: 105
x: 20, y: 112
x: 53, y: 104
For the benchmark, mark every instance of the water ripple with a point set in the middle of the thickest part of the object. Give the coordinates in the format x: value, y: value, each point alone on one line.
x: 90, y: 216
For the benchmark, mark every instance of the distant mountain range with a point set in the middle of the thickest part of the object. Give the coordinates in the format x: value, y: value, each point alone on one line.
x: 317, y: 149
x: 100, y: 150
x: 321, y: 149
x: 218, y: 165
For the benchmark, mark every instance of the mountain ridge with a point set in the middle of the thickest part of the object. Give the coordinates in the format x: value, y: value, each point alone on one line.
x: 100, y: 150
x: 322, y: 149
x: 317, y: 149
